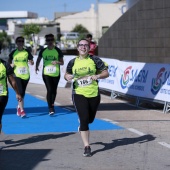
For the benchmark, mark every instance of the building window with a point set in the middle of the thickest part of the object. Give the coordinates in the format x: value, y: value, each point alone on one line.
x: 104, y: 29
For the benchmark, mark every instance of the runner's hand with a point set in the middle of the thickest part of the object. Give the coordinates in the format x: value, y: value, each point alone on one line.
x: 54, y: 62
x: 95, y: 77
x: 69, y: 77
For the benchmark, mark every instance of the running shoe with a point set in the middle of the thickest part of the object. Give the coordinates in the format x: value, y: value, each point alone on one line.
x: 18, y: 111
x: 87, y: 151
x: 51, y: 111
x: 23, y: 113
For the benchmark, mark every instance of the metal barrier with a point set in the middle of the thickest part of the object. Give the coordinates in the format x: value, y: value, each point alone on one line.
x: 115, y: 94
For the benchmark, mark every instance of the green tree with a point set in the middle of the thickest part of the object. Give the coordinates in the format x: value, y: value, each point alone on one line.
x: 30, y: 29
x: 81, y: 30
x: 5, y: 40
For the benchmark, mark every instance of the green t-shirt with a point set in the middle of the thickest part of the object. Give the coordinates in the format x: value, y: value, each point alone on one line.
x: 82, y: 69
x: 48, y: 56
x: 20, y: 60
x: 5, y: 70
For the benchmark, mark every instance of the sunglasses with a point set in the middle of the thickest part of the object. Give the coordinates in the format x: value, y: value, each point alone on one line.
x: 20, y: 41
x: 48, y: 40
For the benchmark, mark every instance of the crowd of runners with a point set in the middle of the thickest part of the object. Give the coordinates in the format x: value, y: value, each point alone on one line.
x: 83, y: 71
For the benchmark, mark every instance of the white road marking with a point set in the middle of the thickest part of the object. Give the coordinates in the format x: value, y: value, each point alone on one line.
x: 109, y: 120
x: 164, y: 144
x: 136, y: 131
x: 40, y: 96
x: 57, y: 103
x: 27, y: 92
x: 70, y: 108
x: 66, y: 109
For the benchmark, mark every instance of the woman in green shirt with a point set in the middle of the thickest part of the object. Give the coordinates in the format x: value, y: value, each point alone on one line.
x: 52, y: 59
x: 6, y: 71
x: 83, y: 71
x: 19, y: 60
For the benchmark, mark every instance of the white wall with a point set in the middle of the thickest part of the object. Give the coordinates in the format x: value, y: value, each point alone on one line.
x: 108, y: 13
x: 85, y: 18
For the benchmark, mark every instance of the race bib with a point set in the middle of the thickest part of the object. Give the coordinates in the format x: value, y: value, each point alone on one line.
x: 85, y: 81
x: 50, y: 69
x: 1, y: 88
x: 22, y: 70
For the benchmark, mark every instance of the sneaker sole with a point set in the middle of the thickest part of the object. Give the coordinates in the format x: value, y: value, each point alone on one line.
x: 18, y: 114
x: 51, y: 114
x: 87, y: 155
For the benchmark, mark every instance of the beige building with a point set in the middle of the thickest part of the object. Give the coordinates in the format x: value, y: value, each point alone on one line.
x: 96, y: 21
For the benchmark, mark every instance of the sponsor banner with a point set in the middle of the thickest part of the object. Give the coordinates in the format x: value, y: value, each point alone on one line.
x: 148, y: 80
x: 37, y: 78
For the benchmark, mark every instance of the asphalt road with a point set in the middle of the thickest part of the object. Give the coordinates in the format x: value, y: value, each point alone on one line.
x: 142, y: 144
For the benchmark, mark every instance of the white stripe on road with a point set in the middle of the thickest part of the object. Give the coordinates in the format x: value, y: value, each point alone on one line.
x: 69, y: 108
x: 109, y: 120
x: 40, y: 96
x: 27, y: 92
x: 136, y: 131
x: 57, y: 103
x: 66, y: 109
x: 164, y: 144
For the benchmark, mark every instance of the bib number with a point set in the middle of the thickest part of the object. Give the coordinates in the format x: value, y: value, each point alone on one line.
x: 50, y: 69
x: 1, y: 88
x: 85, y: 81
x: 22, y: 70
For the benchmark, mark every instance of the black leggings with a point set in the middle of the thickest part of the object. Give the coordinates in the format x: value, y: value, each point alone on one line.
x: 86, y: 109
x: 51, y: 84
x: 3, y: 103
x: 22, y: 85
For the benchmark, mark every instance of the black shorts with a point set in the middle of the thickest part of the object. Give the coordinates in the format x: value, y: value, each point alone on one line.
x: 3, y: 103
x: 86, y: 109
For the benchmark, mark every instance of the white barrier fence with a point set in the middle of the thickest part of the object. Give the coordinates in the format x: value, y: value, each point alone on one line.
x: 141, y: 80
x: 37, y: 78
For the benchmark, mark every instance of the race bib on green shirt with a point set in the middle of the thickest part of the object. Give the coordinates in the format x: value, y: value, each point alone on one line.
x: 50, y: 69
x: 84, y: 81
x: 22, y: 70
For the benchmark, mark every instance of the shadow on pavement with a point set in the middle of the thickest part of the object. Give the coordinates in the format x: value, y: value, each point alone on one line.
x: 124, y: 106
x: 34, y: 139
x: 124, y: 141
x: 111, y: 106
x: 25, y: 159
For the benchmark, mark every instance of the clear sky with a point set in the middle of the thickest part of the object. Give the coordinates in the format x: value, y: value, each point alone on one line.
x: 47, y: 8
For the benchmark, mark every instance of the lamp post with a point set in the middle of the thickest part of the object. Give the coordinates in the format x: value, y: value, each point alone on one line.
x: 97, y: 20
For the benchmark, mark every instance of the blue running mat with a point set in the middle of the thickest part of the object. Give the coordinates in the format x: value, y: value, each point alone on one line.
x: 38, y: 120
